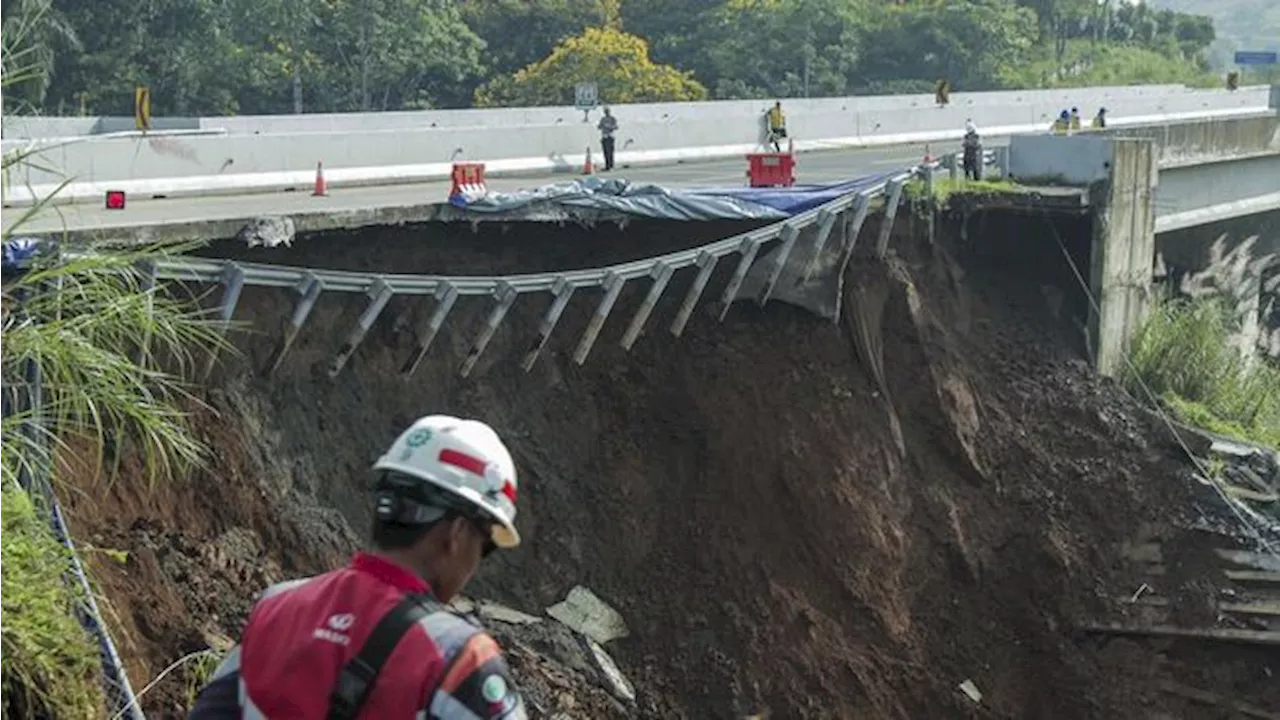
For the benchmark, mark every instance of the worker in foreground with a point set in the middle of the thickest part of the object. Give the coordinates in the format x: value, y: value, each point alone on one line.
x: 374, y: 640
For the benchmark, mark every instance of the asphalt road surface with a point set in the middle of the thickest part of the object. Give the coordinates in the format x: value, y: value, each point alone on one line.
x: 152, y: 217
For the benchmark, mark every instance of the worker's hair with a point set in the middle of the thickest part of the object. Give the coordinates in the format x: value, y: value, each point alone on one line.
x: 398, y: 536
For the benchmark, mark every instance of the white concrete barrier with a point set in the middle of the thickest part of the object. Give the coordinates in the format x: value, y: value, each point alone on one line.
x: 237, y: 163
x: 638, y: 113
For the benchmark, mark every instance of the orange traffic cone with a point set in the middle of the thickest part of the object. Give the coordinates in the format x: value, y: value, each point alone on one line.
x: 322, y: 187
x: 588, y: 168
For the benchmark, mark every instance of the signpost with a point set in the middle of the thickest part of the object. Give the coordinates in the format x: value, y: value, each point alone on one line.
x: 586, y: 96
x: 142, y: 107
x: 1255, y: 57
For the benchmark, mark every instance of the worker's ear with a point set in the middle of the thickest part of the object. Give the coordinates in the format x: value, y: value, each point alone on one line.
x: 454, y: 535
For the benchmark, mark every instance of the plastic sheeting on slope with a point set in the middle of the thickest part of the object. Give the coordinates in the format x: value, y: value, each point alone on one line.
x: 798, y: 198
x: 19, y: 252
x: 618, y: 197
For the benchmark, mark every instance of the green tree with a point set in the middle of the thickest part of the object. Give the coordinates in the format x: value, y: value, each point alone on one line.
x: 777, y: 48
x: 44, y: 35
x: 617, y: 62
x: 176, y: 47
x: 978, y: 44
x: 676, y: 30
x: 521, y: 32
x: 386, y: 54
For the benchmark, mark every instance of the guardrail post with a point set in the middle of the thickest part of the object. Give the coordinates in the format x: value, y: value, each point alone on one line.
x: 379, y: 293
x: 706, y: 265
x: 308, y: 290
x: 446, y: 295
x: 930, y: 204
x: 854, y: 228
x: 506, y: 296
x: 661, y: 274
x: 790, y: 232
x: 892, y: 199
x: 233, y: 282
x: 749, y: 247
x: 612, y: 287
x: 826, y: 223
x: 563, y: 291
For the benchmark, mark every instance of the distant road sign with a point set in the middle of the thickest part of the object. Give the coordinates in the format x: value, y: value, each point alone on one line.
x: 1255, y: 57
x: 585, y: 96
x: 142, y: 107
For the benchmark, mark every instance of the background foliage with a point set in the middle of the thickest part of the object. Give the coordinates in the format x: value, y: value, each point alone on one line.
x: 209, y: 57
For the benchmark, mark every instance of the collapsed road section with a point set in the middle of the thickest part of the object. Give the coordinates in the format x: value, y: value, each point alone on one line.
x: 931, y: 507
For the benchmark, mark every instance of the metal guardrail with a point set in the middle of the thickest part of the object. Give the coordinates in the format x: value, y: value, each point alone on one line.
x: 505, y: 289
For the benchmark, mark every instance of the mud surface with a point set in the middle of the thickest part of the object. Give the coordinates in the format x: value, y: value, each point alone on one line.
x: 740, y: 494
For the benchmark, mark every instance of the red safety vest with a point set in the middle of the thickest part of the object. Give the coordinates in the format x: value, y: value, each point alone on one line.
x: 302, y: 633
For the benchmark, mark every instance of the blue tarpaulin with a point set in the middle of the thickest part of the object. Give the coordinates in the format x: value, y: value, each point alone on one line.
x: 619, y: 196
x: 798, y: 198
x: 18, y: 252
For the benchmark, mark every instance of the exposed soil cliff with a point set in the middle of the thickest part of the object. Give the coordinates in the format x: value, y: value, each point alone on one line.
x: 782, y: 530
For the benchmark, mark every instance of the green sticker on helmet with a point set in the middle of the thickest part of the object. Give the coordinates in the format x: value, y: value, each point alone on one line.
x: 418, y: 438
x: 494, y: 688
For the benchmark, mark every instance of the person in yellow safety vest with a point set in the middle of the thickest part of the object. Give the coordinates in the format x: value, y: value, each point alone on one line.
x: 1075, y: 119
x: 1062, y: 124
x: 1100, y: 120
x: 777, y: 126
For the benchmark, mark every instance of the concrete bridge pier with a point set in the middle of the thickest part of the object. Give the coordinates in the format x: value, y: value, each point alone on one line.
x: 1124, y: 242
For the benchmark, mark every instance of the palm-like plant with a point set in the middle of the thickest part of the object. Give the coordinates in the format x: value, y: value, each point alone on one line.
x: 109, y: 352
x: 40, y: 29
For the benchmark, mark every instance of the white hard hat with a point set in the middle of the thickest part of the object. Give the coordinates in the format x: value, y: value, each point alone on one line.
x: 464, y: 458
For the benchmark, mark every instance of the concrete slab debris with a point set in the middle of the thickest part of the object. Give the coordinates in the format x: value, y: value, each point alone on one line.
x: 583, y: 612
x: 616, y: 682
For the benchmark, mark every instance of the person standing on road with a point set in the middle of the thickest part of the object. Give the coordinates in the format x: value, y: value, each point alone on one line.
x: 374, y: 639
x: 1100, y: 120
x: 777, y: 126
x: 972, y: 152
x: 608, y: 126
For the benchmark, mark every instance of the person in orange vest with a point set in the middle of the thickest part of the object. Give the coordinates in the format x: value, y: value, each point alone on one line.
x: 777, y: 126
x: 1062, y: 124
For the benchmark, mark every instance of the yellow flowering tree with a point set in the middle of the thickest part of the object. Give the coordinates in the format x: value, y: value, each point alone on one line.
x: 618, y: 63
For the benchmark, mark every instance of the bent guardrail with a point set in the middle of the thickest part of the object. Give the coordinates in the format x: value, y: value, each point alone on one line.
x: 309, y: 284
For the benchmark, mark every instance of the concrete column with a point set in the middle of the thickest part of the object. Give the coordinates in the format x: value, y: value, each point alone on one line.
x: 1123, y: 251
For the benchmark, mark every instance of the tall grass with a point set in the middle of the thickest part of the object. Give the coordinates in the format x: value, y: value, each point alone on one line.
x: 112, y: 352
x: 1184, y: 354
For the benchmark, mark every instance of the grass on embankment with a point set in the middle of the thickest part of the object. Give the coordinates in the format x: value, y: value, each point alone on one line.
x: 945, y: 187
x: 51, y: 664
x: 1183, y: 354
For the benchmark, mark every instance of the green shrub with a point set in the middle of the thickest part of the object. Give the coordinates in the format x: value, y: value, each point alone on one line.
x: 1183, y: 354
x: 51, y: 664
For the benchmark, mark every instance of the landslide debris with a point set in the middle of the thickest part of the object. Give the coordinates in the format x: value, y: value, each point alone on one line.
x: 740, y: 495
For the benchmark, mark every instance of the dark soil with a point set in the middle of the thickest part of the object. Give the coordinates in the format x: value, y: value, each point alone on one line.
x: 738, y: 494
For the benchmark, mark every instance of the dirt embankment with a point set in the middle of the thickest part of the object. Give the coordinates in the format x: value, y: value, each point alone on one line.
x: 740, y: 494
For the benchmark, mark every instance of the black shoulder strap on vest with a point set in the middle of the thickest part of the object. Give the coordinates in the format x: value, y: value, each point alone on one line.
x: 359, y: 675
